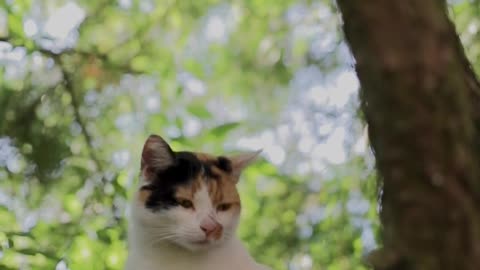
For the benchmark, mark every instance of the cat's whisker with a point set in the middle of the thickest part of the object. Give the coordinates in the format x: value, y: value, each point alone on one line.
x: 163, y: 237
x: 186, y: 232
x: 161, y: 233
x: 158, y: 240
x: 160, y: 236
x: 156, y: 227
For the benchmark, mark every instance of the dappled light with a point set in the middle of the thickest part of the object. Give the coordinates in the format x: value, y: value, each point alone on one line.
x: 84, y: 83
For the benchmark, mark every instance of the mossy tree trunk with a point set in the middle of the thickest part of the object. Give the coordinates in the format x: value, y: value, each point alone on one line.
x: 421, y: 101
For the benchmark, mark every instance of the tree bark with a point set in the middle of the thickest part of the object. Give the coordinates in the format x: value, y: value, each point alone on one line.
x: 421, y: 102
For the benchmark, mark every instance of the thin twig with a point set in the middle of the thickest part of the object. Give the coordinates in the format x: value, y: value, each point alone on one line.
x: 69, y: 87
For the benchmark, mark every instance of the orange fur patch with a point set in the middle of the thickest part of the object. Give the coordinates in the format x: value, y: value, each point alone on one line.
x: 143, y: 195
x: 221, y: 190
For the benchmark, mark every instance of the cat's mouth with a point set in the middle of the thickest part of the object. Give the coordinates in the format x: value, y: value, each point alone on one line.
x: 203, y: 242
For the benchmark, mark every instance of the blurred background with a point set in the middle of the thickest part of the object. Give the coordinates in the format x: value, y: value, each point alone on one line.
x: 83, y: 83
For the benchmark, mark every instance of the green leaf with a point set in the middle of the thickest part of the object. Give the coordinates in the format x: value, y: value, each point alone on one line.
x: 104, y: 236
x: 27, y: 251
x: 24, y: 234
x: 222, y: 130
x: 199, y: 111
x: 194, y: 67
x: 119, y: 189
x: 141, y: 63
x: 15, y: 25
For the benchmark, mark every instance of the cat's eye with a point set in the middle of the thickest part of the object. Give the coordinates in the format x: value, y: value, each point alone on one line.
x: 224, y: 206
x: 185, y: 204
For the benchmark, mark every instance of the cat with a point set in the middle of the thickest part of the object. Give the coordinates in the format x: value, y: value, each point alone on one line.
x: 186, y: 211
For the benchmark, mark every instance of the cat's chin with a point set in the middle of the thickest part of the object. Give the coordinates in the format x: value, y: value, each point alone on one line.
x: 198, y: 246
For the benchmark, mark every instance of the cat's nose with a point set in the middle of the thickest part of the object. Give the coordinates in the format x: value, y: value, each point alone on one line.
x: 212, y: 229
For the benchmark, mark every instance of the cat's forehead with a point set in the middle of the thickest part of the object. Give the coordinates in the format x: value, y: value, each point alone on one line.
x: 193, y: 172
x: 217, y: 164
x: 218, y: 191
x: 214, y: 177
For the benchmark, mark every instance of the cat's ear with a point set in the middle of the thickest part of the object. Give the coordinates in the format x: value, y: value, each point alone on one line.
x: 241, y: 161
x: 156, y: 155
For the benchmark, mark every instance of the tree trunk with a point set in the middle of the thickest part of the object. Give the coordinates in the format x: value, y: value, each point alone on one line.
x: 421, y: 101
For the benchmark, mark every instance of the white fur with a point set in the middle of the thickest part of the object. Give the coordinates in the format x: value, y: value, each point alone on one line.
x: 164, y: 240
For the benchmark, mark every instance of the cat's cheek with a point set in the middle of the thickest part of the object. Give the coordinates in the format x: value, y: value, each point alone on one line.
x: 229, y: 220
x: 141, y: 213
x: 185, y: 220
x: 180, y: 216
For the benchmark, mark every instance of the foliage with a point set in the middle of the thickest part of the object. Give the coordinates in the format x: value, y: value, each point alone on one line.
x: 77, y: 104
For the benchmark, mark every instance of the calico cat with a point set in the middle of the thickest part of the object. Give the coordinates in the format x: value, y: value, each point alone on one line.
x: 186, y: 211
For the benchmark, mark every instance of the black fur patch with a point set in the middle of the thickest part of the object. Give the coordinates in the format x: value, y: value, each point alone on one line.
x: 224, y: 164
x: 185, y: 169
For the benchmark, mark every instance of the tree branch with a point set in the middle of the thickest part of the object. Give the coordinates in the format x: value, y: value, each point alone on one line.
x: 69, y: 87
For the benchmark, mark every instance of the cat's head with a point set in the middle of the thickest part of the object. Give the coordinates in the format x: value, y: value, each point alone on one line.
x: 187, y: 198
